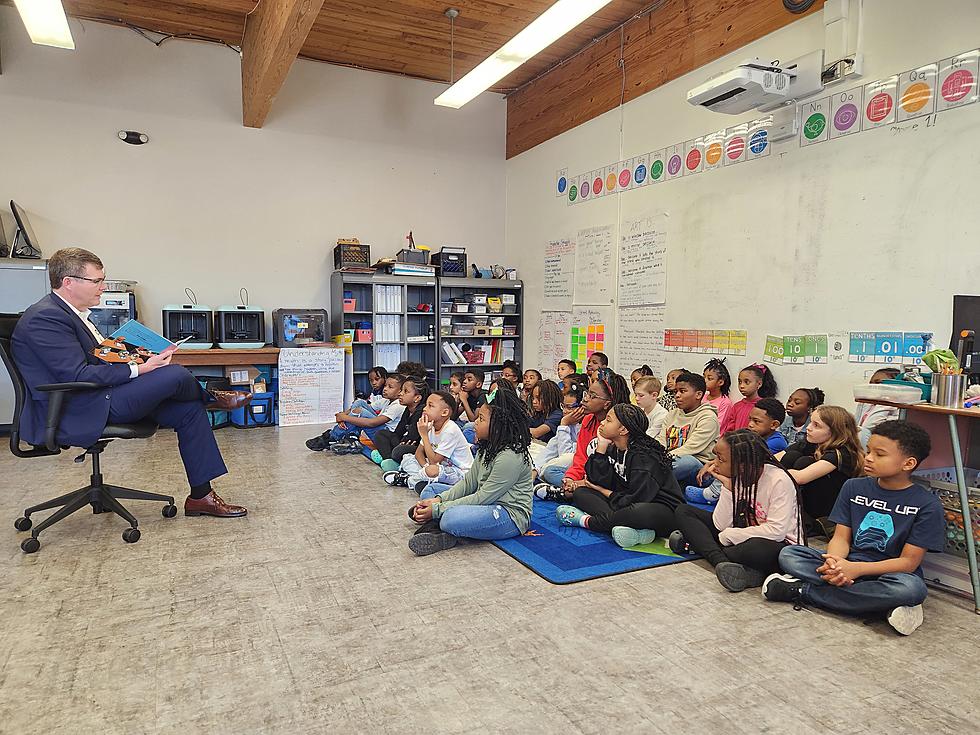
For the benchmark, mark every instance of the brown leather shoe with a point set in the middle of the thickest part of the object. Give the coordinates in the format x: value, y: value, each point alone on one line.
x: 229, y: 400
x: 212, y: 505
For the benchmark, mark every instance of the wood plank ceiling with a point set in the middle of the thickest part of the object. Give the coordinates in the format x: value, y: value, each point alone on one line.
x: 409, y: 37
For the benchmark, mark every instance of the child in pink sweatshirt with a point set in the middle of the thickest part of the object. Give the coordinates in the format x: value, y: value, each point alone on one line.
x: 756, y: 517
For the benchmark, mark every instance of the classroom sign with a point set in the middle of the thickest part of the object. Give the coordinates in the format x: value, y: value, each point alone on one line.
x: 887, y: 348
x: 925, y: 90
x: 710, y: 341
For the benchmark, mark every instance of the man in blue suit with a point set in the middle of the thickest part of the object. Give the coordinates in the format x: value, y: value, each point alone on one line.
x: 53, y: 343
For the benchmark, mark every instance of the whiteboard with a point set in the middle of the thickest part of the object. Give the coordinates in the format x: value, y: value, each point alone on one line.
x: 311, y: 385
x: 595, y: 254
x: 643, y: 261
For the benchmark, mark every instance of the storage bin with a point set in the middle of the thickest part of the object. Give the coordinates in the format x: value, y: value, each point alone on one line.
x: 942, y: 480
x: 350, y: 305
x: 260, y: 412
x: 349, y: 254
x: 474, y: 357
x: 887, y: 392
x: 364, y: 335
x: 924, y: 388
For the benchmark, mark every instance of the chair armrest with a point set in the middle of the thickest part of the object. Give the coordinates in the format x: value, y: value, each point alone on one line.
x: 55, y: 405
x: 56, y: 387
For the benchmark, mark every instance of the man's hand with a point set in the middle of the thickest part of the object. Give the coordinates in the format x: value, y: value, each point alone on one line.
x: 154, y: 362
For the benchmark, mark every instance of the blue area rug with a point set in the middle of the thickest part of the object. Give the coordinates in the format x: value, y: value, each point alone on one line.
x: 566, y: 554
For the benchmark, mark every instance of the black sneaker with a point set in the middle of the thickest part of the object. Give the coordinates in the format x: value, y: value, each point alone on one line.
x: 421, y: 485
x: 396, y: 478
x: 678, y: 544
x: 318, y: 443
x: 782, y: 588
x: 736, y: 577
x: 429, y: 539
x: 549, y: 492
x: 351, y: 445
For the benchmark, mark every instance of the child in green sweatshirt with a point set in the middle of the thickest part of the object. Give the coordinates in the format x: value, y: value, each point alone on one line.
x: 493, y: 500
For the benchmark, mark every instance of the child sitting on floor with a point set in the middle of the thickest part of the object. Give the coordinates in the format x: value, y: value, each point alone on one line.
x: 754, y: 382
x: 511, y: 372
x: 718, y: 384
x: 644, y: 371
x: 596, y: 360
x: 756, y: 517
x: 531, y: 378
x: 766, y: 417
x: 552, y: 463
x: 800, y: 404
x: 830, y: 456
x: 443, y: 454
x: 646, y: 391
x: 868, y: 416
x: 546, y: 413
x: 493, y: 500
x: 344, y: 437
x: 667, y: 396
x: 391, y: 446
x: 630, y: 491
x: 564, y: 369
x: 885, y: 526
x: 690, y: 430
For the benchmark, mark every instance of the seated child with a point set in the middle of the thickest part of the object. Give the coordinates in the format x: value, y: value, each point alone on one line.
x: 868, y: 416
x: 766, y: 418
x: 885, y: 525
x: 690, y: 430
x: 646, y: 390
x: 800, y: 404
x: 531, y: 378
x: 596, y: 360
x: 471, y: 397
x: 830, y: 455
x: 344, y: 437
x: 443, y: 454
x: 551, y: 464
x: 564, y: 369
x: 546, y: 413
x: 630, y: 489
x: 754, y: 382
x: 643, y: 371
x: 493, y: 500
x: 391, y: 446
x: 718, y: 384
x: 370, y: 406
x: 756, y: 517
x: 667, y: 396
x: 511, y: 372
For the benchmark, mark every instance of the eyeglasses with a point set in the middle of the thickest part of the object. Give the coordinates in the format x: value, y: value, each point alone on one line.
x: 590, y: 394
x: 96, y: 281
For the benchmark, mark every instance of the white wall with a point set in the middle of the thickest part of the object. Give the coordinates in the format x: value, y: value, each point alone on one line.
x: 872, y: 232
x: 214, y: 206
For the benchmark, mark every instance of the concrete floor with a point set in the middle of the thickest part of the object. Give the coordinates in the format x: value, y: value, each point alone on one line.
x: 312, y: 616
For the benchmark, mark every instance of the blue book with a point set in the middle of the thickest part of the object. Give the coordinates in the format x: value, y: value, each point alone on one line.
x: 134, y: 333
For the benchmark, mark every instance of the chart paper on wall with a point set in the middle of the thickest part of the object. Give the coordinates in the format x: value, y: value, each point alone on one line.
x: 311, y: 385
x: 594, y: 266
x: 553, y: 340
x: 591, y: 331
x: 559, y: 274
x: 643, y: 261
x: 641, y: 339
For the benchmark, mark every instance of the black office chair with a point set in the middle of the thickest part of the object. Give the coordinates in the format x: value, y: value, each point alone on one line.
x: 99, y: 495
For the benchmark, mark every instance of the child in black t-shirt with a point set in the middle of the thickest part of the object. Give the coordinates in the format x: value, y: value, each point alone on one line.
x: 885, y: 526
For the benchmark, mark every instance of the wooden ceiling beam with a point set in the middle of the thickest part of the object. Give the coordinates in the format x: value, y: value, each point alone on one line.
x: 274, y: 34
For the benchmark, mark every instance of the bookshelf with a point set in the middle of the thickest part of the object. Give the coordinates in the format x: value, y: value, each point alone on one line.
x: 458, y: 327
x: 398, y: 330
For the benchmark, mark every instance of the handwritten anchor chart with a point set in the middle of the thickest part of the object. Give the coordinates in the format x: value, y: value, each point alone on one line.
x: 926, y: 90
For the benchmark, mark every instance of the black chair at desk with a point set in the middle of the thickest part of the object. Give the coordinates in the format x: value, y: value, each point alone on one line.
x: 101, y: 496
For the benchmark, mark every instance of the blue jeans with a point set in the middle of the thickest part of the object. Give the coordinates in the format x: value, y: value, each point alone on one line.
x: 686, y: 469
x: 469, y: 430
x: 867, y: 594
x: 365, y: 407
x: 553, y: 474
x: 483, y: 522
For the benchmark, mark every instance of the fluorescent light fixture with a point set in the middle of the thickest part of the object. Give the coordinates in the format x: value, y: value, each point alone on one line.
x: 543, y: 31
x: 46, y: 22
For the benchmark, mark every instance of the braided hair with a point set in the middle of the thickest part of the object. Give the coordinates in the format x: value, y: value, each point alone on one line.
x: 420, y: 386
x: 614, y: 384
x: 719, y: 368
x: 549, y: 396
x: 768, y: 389
x: 508, y: 427
x: 750, y: 455
x: 814, y: 397
x: 635, y: 421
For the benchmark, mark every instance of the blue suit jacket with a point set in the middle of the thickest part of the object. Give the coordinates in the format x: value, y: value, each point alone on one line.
x: 51, y: 345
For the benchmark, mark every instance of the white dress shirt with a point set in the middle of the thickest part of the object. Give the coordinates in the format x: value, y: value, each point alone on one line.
x: 84, y: 316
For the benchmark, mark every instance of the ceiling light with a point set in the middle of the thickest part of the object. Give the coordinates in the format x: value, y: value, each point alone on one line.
x: 551, y: 25
x: 46, y: 22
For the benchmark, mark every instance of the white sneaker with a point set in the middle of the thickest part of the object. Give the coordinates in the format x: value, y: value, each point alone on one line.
x: 906, y: 619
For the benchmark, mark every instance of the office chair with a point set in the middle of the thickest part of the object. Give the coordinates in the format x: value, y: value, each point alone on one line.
x: 101, y: 496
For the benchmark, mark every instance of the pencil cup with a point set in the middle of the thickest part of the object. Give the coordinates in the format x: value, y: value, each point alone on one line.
x: 948, y: 390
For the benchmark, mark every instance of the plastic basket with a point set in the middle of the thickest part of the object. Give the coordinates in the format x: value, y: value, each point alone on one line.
x: 942, y: 480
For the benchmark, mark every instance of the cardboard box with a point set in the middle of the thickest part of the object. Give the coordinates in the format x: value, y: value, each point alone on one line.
x: 241, y: 374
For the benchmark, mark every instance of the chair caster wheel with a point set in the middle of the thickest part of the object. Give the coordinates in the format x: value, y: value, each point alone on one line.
x: 30, y: 545
x: 131, y: 535
x: 169, y: 511
x: 23, y: 524
x: 97, y: 509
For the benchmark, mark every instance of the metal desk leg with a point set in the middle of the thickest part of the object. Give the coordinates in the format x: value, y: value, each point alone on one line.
x: 971, y: 551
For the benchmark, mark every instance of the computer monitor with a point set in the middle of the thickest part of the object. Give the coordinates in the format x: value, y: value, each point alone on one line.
x: 25, y: 243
